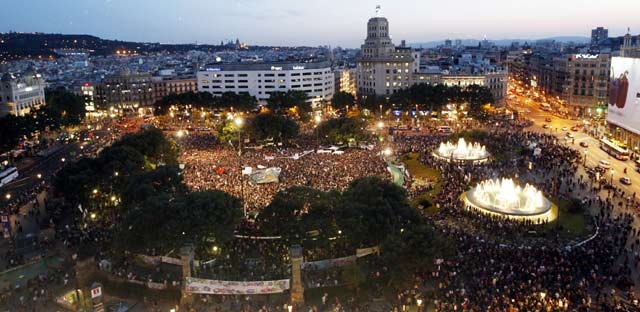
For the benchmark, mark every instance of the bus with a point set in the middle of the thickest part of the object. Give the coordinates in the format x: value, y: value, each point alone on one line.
x: 8, y: 175
x: 614, y: 149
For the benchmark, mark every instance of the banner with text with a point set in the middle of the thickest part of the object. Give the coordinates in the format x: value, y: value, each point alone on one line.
x: 215, y: 287
x: 331, y: 263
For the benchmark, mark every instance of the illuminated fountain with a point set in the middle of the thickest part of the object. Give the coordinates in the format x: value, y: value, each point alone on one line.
x: 463, y: 151
x: 502, y: 197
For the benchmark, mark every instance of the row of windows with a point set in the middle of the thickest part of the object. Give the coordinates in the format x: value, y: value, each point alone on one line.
x: 267, y: 75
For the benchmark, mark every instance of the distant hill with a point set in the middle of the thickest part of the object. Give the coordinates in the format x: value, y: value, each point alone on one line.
x: 19, y: 45
x: 503, y: 42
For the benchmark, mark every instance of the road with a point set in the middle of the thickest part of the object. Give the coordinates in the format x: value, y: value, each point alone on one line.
x: 593, y: 153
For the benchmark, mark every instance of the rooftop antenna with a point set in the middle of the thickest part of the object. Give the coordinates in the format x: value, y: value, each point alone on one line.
x: 378, y: 11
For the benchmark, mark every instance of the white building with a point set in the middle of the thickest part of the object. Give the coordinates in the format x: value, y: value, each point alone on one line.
x: 261, y: 79
x: 19, y: 95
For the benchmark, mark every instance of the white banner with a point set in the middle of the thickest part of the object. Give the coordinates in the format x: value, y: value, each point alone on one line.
x: 170, y: 260
x: 215, y: 287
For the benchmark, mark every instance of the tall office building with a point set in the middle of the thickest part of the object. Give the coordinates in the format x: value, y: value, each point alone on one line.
x: 598, y: 35
x: 383, y: 69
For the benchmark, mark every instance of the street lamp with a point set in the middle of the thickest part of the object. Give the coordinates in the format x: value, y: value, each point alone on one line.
x: 290, y: 308
x: 8, y: 196
x: 387, y: 151
x: 585, y: 158
x: 612, y: 172
x: 39, y: 176
x: 239, y: 122
x: 317, y: 119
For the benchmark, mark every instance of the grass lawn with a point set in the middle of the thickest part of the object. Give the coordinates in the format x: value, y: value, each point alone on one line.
x: 573, y: 224
x: 420, y: 171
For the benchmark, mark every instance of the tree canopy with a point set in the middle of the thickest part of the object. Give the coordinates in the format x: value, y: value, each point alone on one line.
x: 293, y: 102
x: 342, y: 99
x: 342, y: 130
x: 206, y: 100
x: 62, y: 109
x: 270, y: 126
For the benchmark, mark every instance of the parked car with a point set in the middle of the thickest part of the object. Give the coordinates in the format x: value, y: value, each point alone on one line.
x: 625, y: 180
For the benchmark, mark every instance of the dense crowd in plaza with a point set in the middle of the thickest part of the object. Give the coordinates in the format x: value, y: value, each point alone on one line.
x: 497, y: 268
x: 497, y: 265
x: 212, y: 165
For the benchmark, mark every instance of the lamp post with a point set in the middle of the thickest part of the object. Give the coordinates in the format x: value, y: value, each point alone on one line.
x: 239, y: 122
x: 419, y: 302
x: 612, y: 172
x: 585, y: 158
x: 318, y: 120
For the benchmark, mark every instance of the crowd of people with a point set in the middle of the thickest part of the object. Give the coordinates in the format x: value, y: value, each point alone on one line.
x: 498, y: 267
x: 212, y: 165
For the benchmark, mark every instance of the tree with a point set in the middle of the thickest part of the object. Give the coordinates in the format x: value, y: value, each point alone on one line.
x: 64, y: 108
x: 154, y: 145
x: 227, y: 131
x: 199, y: 218
x: 297, y: 210
x: 372, y: 209
x: 342, y: 99
x: 292, y: 101
x: 343, y: 130
x: 270, y: 126
x: 237, y: 101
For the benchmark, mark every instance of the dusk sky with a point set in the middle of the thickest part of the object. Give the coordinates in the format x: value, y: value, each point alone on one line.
x: 328, y: 22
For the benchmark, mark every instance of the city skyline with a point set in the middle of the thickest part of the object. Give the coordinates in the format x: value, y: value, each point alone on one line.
x: 312, y: 24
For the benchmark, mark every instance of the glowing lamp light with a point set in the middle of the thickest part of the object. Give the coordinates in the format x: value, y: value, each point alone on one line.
x: 238, y: 121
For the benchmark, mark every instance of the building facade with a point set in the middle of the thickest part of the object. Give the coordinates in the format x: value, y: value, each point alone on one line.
x: 261, y: 79
x: 630, y: 46
x: 21, y: 94
x: 586, y: 82
x: 382, y: 68
x: 346, y: 80
x: 598, y: 36
x: 163, y: 86
x: 125, y: 90
x: 88, y: 91
x: 578, y: 81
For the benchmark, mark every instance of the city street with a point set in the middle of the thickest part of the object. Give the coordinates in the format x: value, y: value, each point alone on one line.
x: 593, y: 152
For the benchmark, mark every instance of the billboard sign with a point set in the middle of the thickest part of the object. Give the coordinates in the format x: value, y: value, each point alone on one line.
x: 624, y: 94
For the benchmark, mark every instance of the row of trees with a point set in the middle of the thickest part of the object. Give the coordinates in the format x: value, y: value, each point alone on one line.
x: 261, y: 127
x: 292, y: 102
x: 370, y: 212
x: 206, y: 100
x: 281, y: 128
x: 62, y: 109
x: 425, y: 96
x: 134, y: 189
